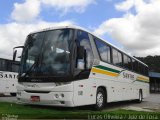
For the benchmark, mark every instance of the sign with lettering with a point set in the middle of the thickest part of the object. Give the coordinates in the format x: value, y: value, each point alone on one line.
x: 128, y: 76
x: 8, y: 75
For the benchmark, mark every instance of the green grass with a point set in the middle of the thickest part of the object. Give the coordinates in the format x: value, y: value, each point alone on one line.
x: 13, y: 110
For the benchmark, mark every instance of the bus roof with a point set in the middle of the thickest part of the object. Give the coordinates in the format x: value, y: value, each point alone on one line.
x: 83, y: 29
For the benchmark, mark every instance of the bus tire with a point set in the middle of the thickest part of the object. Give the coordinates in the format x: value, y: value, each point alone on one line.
x: 140, y: 97
x: 13, y: 94
x: 100, y: 99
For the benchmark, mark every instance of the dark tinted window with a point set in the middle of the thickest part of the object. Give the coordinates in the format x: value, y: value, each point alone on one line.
x: 15, y: 67
x: 117, y: 57
x: 127, y: 62
x: 135, y: 65
x: 32, y: 50
x: 2, y: 65
x: 56, y: 52
x: 146, y: 71
x: 141, y: 68
x: 7, y: 65
x: 85, y: 41
x: 104, y: 51
x: 120, y: 59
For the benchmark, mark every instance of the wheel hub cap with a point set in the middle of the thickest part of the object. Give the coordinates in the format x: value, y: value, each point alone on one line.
x: 99, y: 99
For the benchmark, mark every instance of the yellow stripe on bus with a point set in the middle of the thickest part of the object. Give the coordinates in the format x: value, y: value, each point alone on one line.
x: 104, y: 72
x: 143, y: 78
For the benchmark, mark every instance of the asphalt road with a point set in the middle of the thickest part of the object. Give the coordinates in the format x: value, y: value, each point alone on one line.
x: 151, y: 103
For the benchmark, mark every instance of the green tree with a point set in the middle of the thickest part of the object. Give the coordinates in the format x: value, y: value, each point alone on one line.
x: 153, y: 62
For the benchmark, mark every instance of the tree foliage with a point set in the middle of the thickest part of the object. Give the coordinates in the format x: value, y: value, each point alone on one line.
x: 153, y: 62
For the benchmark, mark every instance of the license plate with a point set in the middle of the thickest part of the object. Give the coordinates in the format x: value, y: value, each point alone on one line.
x: 35, y: 98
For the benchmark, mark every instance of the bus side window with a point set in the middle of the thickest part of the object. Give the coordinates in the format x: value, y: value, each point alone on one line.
x: 9, y: 65
x: 103, y: 50
x: 141, y: 68
x: 135, y: 65
x: 84, y: 40
x: 15, y: 67
x: 127, y: 62
x: 146, y: 71
x: 117, y: 57
x: 2, y: 65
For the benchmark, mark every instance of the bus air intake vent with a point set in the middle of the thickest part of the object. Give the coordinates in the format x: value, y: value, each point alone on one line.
x: 32, y: 91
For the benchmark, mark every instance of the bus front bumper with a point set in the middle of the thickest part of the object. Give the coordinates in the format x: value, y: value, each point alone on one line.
x: 64, y: 99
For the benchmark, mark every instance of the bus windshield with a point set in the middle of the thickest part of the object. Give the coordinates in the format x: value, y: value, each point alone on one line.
x: 49, y: 51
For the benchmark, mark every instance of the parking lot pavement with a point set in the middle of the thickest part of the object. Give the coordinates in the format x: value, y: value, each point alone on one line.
x: 154, y: 98
x: 151, y: 103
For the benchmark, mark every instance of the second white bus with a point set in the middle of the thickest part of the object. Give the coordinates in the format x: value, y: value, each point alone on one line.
x: 8, y: 76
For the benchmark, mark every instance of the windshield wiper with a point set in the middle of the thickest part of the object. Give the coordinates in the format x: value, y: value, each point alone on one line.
x: 29, y: 70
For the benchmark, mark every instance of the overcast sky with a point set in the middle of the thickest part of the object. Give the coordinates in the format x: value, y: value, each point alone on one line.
x: 132, y: 25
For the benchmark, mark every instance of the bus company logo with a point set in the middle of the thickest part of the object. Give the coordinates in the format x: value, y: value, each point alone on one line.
x: 7, y: 75
x: 128, y: 76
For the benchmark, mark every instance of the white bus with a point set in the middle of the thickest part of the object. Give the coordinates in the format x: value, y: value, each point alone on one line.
x: 69, y: 66
x: 8, y: 76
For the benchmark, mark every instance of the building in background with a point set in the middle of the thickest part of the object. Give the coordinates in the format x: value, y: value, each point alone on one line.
x: 154, y: 82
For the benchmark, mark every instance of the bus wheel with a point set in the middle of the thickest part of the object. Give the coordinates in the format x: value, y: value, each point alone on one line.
x: 140, y: 97
x: 100, y: 99
x: 13, y: 94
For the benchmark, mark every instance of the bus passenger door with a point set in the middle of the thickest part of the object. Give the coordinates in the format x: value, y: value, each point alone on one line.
x: 83, y: 85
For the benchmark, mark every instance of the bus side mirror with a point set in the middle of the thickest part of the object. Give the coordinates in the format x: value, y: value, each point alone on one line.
x: 81, y: 57
x: 15, y: 51
x: 14, y: 55
x: 80, y: 52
